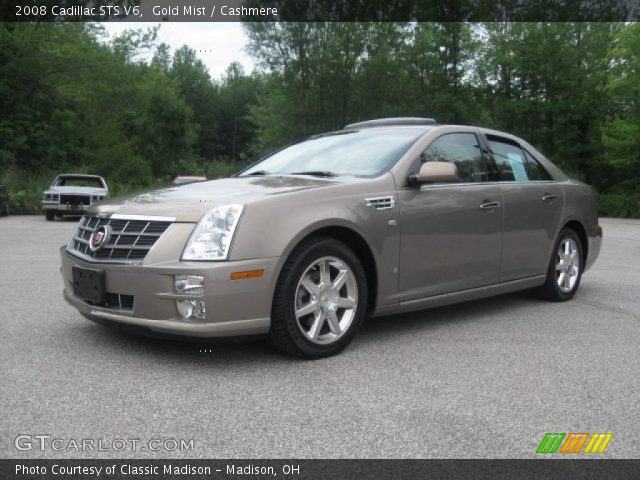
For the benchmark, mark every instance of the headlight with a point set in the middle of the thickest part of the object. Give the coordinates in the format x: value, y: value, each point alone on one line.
x: 212, y: 237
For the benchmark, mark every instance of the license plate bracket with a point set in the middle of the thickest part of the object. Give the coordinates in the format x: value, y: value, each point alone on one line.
x: 89, y: 284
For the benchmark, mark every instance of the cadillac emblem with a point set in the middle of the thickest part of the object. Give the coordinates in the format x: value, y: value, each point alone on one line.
x: 100, y: 237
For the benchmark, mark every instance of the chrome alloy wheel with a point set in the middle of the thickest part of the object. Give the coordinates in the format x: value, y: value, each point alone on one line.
x: 326, y: 300
x: 567, y: 264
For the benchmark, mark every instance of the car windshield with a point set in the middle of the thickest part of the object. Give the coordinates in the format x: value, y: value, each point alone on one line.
x: 78, y: 182
x: 366, y: 152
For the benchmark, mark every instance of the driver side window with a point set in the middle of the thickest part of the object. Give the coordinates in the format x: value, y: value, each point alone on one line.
x: 463, y: 150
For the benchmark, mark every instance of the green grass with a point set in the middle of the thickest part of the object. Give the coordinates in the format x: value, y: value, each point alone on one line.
x: 624, y: 205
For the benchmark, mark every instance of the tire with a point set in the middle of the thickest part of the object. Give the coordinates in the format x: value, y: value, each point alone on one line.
x: 555, y: 288
x: 334, y: 314
x: 50, y: 215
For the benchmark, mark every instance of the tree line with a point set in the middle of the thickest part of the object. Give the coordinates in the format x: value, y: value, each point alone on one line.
x: 74, y: 100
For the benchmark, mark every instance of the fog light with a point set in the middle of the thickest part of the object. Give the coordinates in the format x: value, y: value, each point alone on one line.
x: 189, y: 284
x: 191, y: 309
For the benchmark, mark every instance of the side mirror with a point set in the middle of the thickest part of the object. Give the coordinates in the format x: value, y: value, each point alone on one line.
x: 436, y: 172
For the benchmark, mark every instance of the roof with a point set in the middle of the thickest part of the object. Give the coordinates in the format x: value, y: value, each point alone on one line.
x: 393, y: 121
x: 78, y: 175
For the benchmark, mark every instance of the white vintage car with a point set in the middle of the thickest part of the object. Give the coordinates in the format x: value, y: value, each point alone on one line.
x: 72, y: 194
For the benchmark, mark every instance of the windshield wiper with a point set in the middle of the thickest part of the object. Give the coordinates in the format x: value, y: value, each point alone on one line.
x: 257, y: 173
x: 316, y: 173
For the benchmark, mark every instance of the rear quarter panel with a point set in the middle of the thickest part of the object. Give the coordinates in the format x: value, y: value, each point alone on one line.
x: 580, y: 205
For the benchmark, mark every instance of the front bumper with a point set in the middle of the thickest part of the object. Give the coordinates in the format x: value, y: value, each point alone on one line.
x: 70, y: 209
x: 234, y: 307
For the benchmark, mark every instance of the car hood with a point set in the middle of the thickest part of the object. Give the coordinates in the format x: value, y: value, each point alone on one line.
x: 78, y: 190
x: 187, y: 203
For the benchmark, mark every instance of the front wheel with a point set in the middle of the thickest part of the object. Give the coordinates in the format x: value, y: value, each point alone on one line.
x: 565, y: 268
x: 320, y: 301
x: 50, y: 215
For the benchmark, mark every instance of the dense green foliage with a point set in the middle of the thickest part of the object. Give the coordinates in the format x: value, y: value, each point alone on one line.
x: 72, y: 101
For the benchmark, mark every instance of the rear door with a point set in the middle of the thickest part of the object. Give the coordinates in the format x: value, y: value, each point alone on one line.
x: 532, y: 209
x: 450, y: 233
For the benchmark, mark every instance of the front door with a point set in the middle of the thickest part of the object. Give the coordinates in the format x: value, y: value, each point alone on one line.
x: 450, y: 233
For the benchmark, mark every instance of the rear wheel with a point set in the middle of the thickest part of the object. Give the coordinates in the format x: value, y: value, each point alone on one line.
x: 50, y: 214
x: 320, y: 300
x: 565, y: 268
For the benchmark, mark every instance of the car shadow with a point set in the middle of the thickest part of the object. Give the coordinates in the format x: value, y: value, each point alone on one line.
x: 64, y: 218
x: 378, y: 328
x: 256, y: 350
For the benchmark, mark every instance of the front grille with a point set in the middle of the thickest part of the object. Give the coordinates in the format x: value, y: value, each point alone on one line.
x: 75, y: 199
x: 130, y: 240
x: 117, y: 301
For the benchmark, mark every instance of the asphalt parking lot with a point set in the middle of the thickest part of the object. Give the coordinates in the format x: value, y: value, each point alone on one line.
x: 482, y: 379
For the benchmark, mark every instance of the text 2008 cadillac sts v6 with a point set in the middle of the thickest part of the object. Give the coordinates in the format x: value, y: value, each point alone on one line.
x: 385, y: 216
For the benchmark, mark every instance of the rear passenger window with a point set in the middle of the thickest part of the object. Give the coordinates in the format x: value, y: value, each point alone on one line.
x: 461, y: 149
x: 515, y: 164
x: 535, y: 171
x: 510, y: 161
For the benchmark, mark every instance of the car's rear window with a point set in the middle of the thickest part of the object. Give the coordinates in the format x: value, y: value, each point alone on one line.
x: 366, y: 152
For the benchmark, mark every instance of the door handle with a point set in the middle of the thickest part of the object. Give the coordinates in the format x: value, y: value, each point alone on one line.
x: 490, y: 205
x: 548, y: 198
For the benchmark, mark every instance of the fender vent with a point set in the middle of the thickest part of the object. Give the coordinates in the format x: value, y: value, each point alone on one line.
x: 381, y: 203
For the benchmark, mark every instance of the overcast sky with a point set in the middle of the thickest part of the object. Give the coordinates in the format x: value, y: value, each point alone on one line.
x: 216, y: 44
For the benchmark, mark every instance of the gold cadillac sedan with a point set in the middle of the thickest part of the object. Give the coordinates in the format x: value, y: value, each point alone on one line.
x: 385, y: 216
